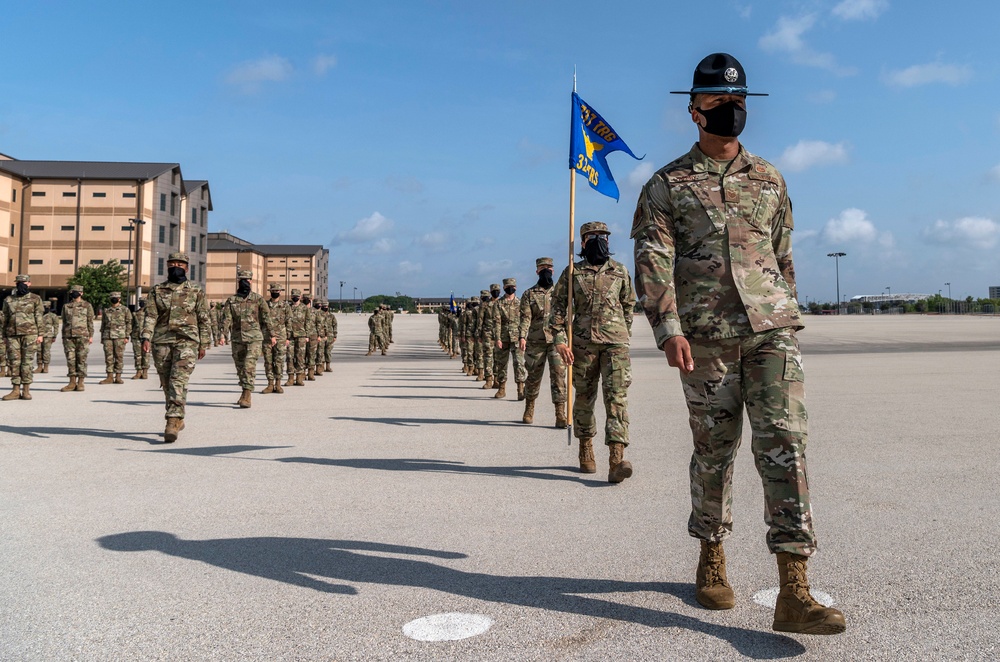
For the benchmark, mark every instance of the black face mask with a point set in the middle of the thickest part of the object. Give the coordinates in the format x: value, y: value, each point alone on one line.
x: 510, y: 290
x: 495, y: 294
x: 22, y: 289
x: 72, y: 295
x: 275, y: 295
x: 176, y: 274
x: 114, y: 302
x: 316, y: 306
x: 295, y: 299
x: 545, y: 278
x: 596, y: 251
x: 243, y: 288
x: 485, y: 299
x: 726, y: 120
x: 142, y: 304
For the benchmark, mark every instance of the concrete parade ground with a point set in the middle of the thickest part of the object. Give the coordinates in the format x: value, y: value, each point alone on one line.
x: 343, y: 520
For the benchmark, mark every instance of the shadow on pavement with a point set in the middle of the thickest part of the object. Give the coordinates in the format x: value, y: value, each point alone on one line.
x: 447, y: 466
x: 417, y: 422
x: 213, y: 451
x: 45, y: 433
x: 471, y: 385
x: 483, y: 398
x: 149, y: 403
x: 344, y: 563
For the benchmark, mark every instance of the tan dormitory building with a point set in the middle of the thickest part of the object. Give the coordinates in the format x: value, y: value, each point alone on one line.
x: 57, y: 216
x: 295, y: 266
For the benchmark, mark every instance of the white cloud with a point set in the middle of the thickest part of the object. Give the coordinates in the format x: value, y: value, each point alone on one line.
x: 786, y: 37
x: 492, y: 269
x: 970, y: 232
x: 269, y: 69
x: 367, y: 229
x: 435, y: 241
x: 380, y: 247
x: 323, y: 63
x: 926, y: 74
x: 407, y: 268
x: 853, y: 227
x: 860, y: 10
x: 808, y: 153
x: 641, y: 174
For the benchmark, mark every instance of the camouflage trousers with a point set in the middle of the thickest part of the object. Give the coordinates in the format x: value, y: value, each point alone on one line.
x: 297, y: 351
x: 535, y: 356
x: 175, y: 363
x: 312, y: 352
x: 45, y: 351
x: 245, y: 356
x: 763, y: 373
x: 454, y: 344
x: 466, y: 348
x: 114, y: 355
x: 20, y: 354
x: 377, y: 341
x: 274, y: 359
x: 487, y: 363
x: 76, y: 350
x: 328, y: 350
x: 140, y: 357
x: 610, y: 368
x: 502, y: 356
x: 477, y: 354
x: 4, y: 351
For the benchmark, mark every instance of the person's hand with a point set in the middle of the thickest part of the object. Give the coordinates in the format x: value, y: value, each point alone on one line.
x: 678, y: 352
x: 126, y: 341
x: 145, y: 346
x: 274, y: 341
x: 566, y: 353
x: 38, y: 341
x: 90, y: 340
x: 499, y: 344
x: 522, y: 344
x: 287, y: 342
x: 222, y: 341
x: 201, y: 353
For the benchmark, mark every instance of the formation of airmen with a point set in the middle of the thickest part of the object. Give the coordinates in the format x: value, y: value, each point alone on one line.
x: 380, y: 330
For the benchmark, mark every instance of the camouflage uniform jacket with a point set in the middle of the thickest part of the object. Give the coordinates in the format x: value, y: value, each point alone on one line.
x: 603, y: 300
x: 332, y: 326
x: 138, y: 319
x: 177, y: 312
x: 279, y: 311
x: 506, y: 319
x: 472, y: 328
x: 322, y: 323
x: 310, y: 321
x: 713, y: 249
x: 116, y: 322
x: 455, y: 323
x: 484, y: 321
x: 536, y: 303
x: 78, y: 319
x: 297, y: 320
x: 50, y: 325
x: 247, y: 319
x: 22, y: 316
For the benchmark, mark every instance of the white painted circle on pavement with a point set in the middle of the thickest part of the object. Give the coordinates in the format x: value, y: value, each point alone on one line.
x: 769, y: 597
x: 447, y: 627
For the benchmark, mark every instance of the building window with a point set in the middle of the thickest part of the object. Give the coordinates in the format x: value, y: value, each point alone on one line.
x: 125, y: 262
x: 34, y: 261
x: 173, y: 204
x: 194, y: 216
x: 69, y: 194
x: 126, y: 228
x: 97, y: 261
x: 159, y: 265
x: 163, y: 202
x: 37, y: 227
x: 204, y: 215
x: 173, y: 234
x: 128, y: 194
x: 202, y: 244
x: 163, y: 234
x: 100, y: 194
x: 194, y: 272
x: 97, y: 228
x: 194, y: 244
x: 13, y: 195
x: 65, y: 261
x: 68, y: 228
x: 38, y: 194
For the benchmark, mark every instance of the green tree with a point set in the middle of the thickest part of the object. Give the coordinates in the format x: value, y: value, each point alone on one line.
x: 99, y: 281
x: 394, y: 302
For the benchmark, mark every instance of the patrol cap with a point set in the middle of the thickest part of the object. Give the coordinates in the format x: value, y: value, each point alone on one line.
x: 22, y: 278
x: 473, y: 300
x: 594, y: 227
x: 296, y: 292
x: 276, y: 287
x: 114, y: 295
x: 510, y: 282
x: 75, y: 288
x: 495, y: 286
x: 244, y: 274
x: 46, y: 305
x: 484, y: 293
x: 325, y: 304
x: 543, y: 262
x: 179, y: 257
x: 720, y: 73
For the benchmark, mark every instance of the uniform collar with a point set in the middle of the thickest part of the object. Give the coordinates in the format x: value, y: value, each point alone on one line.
x: 702, y: 163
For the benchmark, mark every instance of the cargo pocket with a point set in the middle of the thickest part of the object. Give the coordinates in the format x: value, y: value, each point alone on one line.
x: 795, y: 404
x: 621, y: 371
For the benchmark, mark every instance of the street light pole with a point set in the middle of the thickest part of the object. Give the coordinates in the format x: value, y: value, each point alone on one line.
x: 342, y: 295
x: 836, y: 257
x: 132, y: 225
x: 355, y: 296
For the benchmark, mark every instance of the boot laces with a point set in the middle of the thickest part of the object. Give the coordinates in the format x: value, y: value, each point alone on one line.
x: 798, y: 584
x: 713, y: 568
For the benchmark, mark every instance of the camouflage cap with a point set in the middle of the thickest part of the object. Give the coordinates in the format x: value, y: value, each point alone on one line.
x: 484, y: 293
x: 510, y: 282
x: 22, y: 278
x: 325, y: 304
x: 77, y: 288
x: 178, y: 257
x: 296, y: 292
x: 473, y: 300
x: 244, y: 274
x: 543, y: 262
x: 46, y: 305
x: 594, y: 227
x: 276, y: 287
x: 495, y: 286
x: 114, y: 295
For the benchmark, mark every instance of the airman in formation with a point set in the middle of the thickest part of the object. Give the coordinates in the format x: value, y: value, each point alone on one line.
x: 246, y: 318
x: 139, y: 355
x: 23, y: 330
x: 77, y: 336
x: 50, y: 324
x: 116, y: 327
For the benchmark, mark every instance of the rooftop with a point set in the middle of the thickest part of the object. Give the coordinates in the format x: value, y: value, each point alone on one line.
x: 84, y: 169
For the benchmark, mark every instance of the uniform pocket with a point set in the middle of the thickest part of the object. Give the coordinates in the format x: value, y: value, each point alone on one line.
x: 793, y: 367
x: 621, y: 371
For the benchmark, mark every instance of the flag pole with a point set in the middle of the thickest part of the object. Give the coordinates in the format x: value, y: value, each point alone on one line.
x: 569, y: 295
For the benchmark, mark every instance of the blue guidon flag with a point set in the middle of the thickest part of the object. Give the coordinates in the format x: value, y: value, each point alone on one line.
x: 591, y: 140
x: 451, y: 303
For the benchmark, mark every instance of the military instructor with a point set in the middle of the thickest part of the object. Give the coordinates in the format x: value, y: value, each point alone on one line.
x: 714, y: 274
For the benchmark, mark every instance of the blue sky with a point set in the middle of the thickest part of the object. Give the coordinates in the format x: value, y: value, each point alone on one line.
x: 426, y: 143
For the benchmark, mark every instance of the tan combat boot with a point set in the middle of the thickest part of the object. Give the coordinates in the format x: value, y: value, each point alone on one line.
x: 244, y: 401
x: 107, y: 380
x: 561, y: 421
x: 383, y: 352
x: 310, y: 375
x: 369, y: 353
x: 145, y: 373
x: 489, y: 382
x: 796, y: 610
x: 300, y: 379
x: 618, y: 468
x: 318, y: 371
x: 269, y: 388
x: 712, y: 589
x: 15, y: 393
x: 529, y: 412
x: 69, y: 387
x: 277, y: 386
x: 45, y: 368
x: 480, y: 375
x: 118, y: 378
x: 588, y: 465
x: 38, y: 370
x: 174, y: 425
x: 79, y: 382
x: 291, y: 379
x: 520, y: 391
x: 501, y: 391
x: 26, y: 391
x: 137, y: 375
x: 328, y: 368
